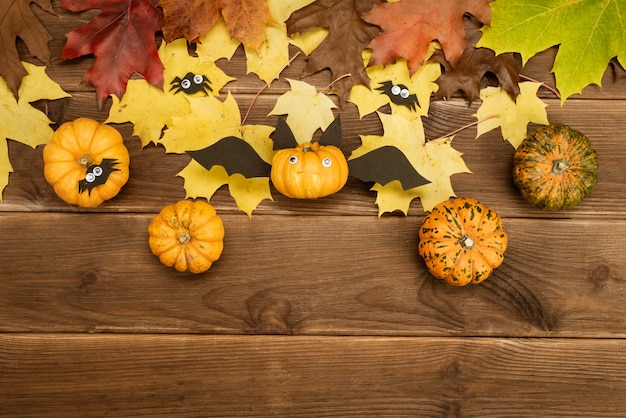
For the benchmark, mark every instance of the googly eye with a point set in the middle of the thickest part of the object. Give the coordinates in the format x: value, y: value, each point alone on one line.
x: 293, y: 159
x: 198, y: 79
x: 90, y: 177
x: 395, y: 90
x: 185, y: 84
x: 97, y: 171
x: 327, y: 162
x: 404, y: 93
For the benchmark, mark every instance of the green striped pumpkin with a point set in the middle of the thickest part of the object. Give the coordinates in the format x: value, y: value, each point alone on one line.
x: 555, y: 167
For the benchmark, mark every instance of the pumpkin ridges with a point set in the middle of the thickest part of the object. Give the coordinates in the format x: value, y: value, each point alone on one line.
x: 456, y: 240
x: 534, y: 167
x: 200, y: 226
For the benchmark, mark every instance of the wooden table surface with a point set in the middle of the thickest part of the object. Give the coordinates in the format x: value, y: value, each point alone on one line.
x: 316, y: 308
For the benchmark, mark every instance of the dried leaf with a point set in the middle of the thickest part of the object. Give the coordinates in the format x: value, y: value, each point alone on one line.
x: 474, y: 67
x: 18, y: 20
x: 346, y: 28
x: 17, y: 114
x: 409, y: 26
x: 170, y: 101
x: 122, y: 39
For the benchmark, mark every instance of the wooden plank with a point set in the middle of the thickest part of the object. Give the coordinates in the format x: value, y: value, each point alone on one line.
x: 154, y: 180
x: 147, y: 375
x: 307, y: 275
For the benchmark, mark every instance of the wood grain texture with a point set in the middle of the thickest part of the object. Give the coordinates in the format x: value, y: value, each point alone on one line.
x: 306, y: 275
x: 153, y: 376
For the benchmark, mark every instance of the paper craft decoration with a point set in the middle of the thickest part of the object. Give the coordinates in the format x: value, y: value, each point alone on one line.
x: 97, y: 174
x: 399, y: 94
x: 235, y: 155
x: 384, y: 165
x: 191, y: 83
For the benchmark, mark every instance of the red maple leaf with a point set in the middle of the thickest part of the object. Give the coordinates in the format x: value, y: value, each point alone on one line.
x: 409, y: 26
x: 121, y: 38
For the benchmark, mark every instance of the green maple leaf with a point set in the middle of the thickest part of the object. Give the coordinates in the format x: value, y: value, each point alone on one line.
x: 589, y: 34
x: 20, y: 121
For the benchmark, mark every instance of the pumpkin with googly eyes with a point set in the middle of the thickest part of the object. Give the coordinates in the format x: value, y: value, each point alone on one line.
x: 309, y: 170
x: 86, y: 162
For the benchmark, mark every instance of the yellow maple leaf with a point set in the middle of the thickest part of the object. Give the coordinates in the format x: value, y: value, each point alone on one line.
x: 170, y: 102
x: 499, y: 110
x: 198, y: 130
x: 269, y: 59
x: 20, y: 121
x: 435, y: 160
x: 422, y: 84
x: 306, y: 110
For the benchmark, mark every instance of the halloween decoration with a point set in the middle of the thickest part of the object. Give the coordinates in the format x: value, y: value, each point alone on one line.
x: 86, y: 162
x: 191, y: 83
x: 399, y: 94
x: 462, y: 241
x: 309, y: 170
x: 384, y: 165
x: 188, y: 235
x: 235, y: 155
x: 555, y: 167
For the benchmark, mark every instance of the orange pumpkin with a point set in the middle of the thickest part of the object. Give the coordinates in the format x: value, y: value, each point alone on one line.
x: 309, y: 170
x: 188, y: 235
x: 462, y: 241
x: 86, y: 162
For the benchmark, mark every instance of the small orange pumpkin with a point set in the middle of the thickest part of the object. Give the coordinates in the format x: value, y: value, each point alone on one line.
x: 188, y: 235
x: 309, y: 170
x: 86, y: 162
x: 462, y: 241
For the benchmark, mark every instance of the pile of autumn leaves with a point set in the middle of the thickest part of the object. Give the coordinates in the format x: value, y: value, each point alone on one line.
x: 362, y: 44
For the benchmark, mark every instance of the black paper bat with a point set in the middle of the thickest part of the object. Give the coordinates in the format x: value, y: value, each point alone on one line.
x: 235, y: 155
x: 97, y: 174
x: 384, y: 165
x: 399, y: 94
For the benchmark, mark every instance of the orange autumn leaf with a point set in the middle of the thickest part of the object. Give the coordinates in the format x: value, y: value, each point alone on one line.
x: 409, y: 26
x: 246, y: 19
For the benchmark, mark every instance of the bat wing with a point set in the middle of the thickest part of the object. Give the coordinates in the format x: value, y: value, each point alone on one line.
x: 384, y: 165
x: 235, y: 155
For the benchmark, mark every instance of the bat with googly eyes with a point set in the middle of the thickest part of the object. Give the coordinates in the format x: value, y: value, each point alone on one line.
x: 399, y: 94
x: 97, y: 174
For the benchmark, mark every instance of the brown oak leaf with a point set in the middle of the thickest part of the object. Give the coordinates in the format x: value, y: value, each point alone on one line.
x: 475, y: 66
x: 341, y: 50
x: 246, y: 19
x: 409, y: 26
x: 122, y: 39
x: 18, y: 20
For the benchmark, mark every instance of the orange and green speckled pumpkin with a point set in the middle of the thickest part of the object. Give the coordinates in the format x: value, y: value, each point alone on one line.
x: 309, y: 170
x: 86, y: 162
x: 188, y: 235
x: 462, y: 241
x: 555, y: 167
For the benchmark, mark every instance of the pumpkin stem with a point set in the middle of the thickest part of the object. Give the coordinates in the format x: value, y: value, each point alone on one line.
x: 466, y: 242
x: 84, y: 160
x: 559, y: 166
x: 306, y: 149
x: 184, y: 237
